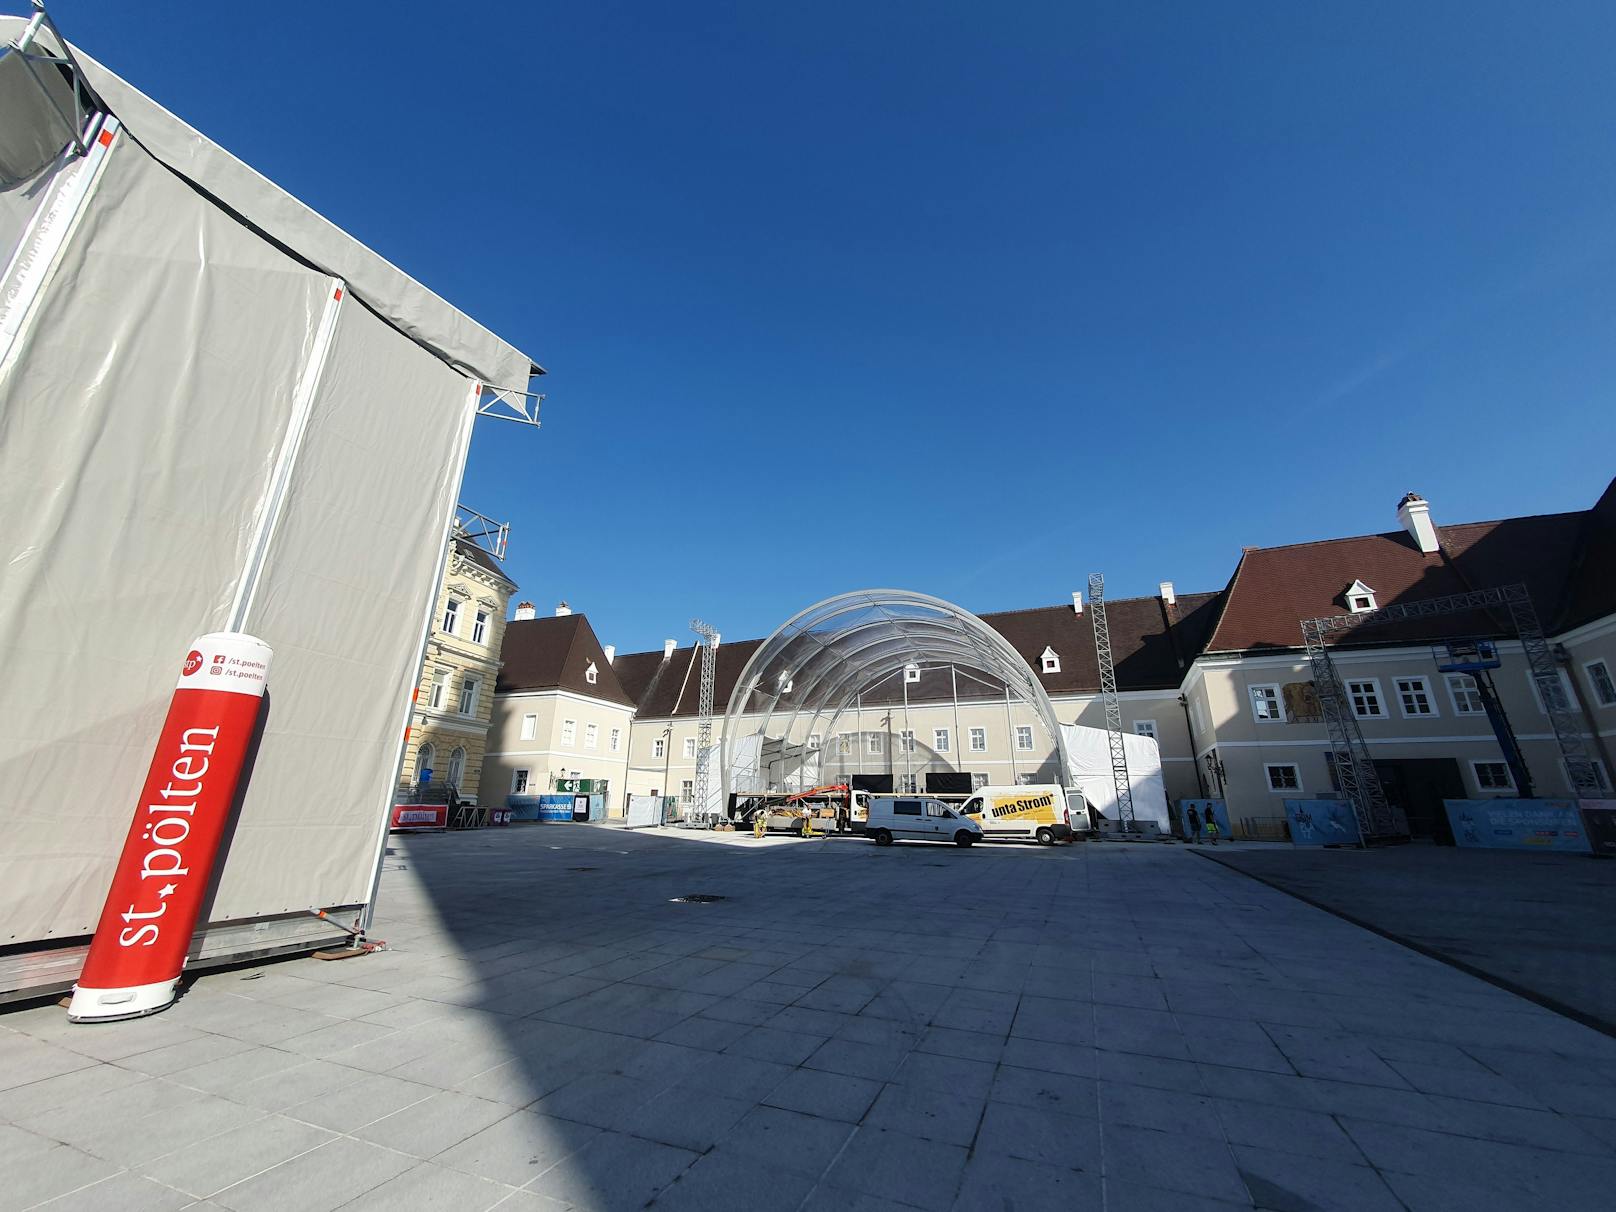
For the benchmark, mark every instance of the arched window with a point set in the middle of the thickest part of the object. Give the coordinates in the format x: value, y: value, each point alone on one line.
x: 423, y: 761
x: 457, y: 767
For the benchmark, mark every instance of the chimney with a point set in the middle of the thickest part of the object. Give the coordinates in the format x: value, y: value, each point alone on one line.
x: 667, y: 648
x: 1167, y: 594
x: 1077, y: 601
x: 524, y: 610
x: 611, y: 653
x: 1415, y: 515
x: 562, y: 610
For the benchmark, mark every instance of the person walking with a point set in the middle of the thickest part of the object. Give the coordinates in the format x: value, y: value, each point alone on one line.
x: 1211, y: 827
x: 1192, y: 822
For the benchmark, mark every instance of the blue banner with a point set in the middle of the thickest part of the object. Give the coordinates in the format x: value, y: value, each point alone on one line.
x: 1214, y: 810
x: 1322, y: 823
x: 1518, y: 825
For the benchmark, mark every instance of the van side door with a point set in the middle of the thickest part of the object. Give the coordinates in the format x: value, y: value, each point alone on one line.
x: 908, y: 818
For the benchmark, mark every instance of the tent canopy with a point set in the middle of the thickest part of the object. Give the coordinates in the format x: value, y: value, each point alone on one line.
x: 387, y: 290
x: 810, y: 671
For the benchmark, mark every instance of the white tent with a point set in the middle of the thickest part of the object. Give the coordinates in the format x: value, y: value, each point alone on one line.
x: 217, y: 411
x: 1088, y: 751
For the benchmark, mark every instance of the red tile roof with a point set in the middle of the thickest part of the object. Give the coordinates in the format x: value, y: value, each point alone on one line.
x: 555, y: 654
x: 1275, y: 588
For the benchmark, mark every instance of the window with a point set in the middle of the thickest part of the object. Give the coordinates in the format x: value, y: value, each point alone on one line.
x: 1145, y: 728
x: 569, y: 732
x: 1560, y: 691
x: 687, y: 790
x: 479, y: 627
x: 1051, y: 661
x: 468, y: 695
x: 979, y: 740
x: 659, y: 747
x: 1492, y: 776
x: 1365, y: 696
x: 1283, y: 776
x: 616, y: 740
x: 911, y: 674
x: 1599, y: 678
x: 1414, y: 697
x: 1464, y: 694
x: 424, y: 759
x: 939, y: 740
x: 906, y: 783
x: 1025, y: 780
x: 906, y: 807
x: 844, y: 745
x: 1024, y: 738
x: 530, y: 727
x: 440, y: 689
x: 978, y: 781
x: 690, y: 747
x: 906, y: 741
x: 591, y: 674
x: 591, y: 736
x: 1265, y: 705
x: 451, y: 615
x: 877, y: 743
x: 1360, y: 598
x: 813, y: 742
x: 457, y: 767
x: 519, y: 782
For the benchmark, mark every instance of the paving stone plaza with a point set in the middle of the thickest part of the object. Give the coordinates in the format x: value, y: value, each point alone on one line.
x: 1100, y: 1026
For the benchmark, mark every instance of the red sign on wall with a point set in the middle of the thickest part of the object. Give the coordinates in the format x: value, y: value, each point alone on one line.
x: 168, y: 855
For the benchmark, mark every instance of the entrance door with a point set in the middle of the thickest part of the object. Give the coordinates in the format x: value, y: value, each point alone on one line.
x: 1418, y: 786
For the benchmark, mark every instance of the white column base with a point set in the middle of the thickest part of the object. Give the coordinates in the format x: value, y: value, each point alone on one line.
x: 108, y: 1005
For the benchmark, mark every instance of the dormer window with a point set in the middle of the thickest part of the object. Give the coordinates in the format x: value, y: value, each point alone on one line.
x: 1360, y: 598
x: 786, y: 682
x: 911, y: 674
x: 591, y: 674
x: 1051, y: 661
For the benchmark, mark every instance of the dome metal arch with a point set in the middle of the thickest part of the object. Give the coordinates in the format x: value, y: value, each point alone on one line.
x: 823, y: 657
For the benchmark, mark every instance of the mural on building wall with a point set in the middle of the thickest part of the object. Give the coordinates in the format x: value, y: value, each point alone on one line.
x: 1302, y: 703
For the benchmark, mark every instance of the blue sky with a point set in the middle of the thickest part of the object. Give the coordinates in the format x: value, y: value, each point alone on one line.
x: 972, y: 299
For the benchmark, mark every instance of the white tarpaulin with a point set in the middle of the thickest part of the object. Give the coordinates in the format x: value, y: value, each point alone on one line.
x: 198, y: 429
x: 1088, y: 751
x: 404, y: 303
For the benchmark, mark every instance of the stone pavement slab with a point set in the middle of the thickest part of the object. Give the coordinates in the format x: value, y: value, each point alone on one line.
x: 1051, y: 1028
x: 1538, y: 923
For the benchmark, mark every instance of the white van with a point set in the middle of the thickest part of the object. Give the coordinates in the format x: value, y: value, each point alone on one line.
x: 918, y: 818
x: 1043, y: 812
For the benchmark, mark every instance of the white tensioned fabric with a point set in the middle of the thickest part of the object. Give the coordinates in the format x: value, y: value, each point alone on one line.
x: 389, y: 291
x: 139, y: 424
x: 810, y: 671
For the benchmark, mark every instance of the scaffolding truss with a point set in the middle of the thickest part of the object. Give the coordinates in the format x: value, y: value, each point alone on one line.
x: 482, y: 531
x: 1113, y: 705
x: 509, y: 404
x: 1378, y: 819
x: 704, y: 718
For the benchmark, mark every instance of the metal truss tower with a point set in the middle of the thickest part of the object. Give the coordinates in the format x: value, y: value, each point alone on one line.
x: 1378, y: 819
x: 704, y: 719
x: 1113, y: 706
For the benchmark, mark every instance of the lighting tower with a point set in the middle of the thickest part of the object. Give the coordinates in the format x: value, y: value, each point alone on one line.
x: 1113, y: 706
x: 704, y: 719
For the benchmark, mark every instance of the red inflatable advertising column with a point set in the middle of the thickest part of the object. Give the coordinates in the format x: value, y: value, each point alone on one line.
x: 151, y: 912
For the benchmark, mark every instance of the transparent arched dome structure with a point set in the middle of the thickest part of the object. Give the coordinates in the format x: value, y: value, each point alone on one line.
x: 815, y: 667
